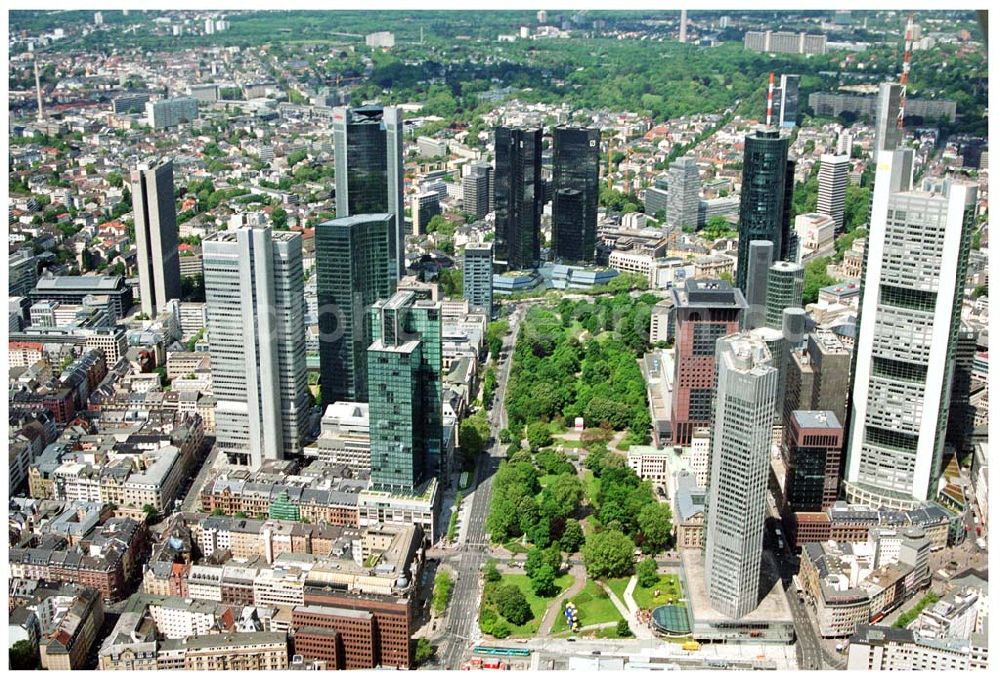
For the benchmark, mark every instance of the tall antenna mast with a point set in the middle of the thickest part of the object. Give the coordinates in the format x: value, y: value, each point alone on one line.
x: 770, y: 99
x: 904, y: 77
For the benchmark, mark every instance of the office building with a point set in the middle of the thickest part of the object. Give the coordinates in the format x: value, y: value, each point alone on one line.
x: 477, y: 275
x: 784, y: 42
x: 833, y: 172
x: 171, y: 112
x: 737, y: 494
x: 788, y: 103
x: 887, y: 648
x: 129, y: 103
x: 683, y: 190
x: 368, y: 151
x: 477, y: 189
x: 764, y: 198
x: 74, y: 289
x: 816, y: 236
x: 155, y: 216
x: 784, y: 290
x: 575, y: 161
x: 22, y: 272
x: 818, y: 375
x: 254, y: 299
x: 759, y: 265
x: 812, y: 447
x: 351, y: 274
x: 888, y: 133
x: 517, y: 186
x: 704, y: 311
x: 404, y: 388
x: 423, y: 207
x: 904, y: 360
x: 833, y: 104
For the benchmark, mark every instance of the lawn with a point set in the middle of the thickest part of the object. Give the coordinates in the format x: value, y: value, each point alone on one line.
x: 669, y: 587
x: 618, y: 586
x: 538, y: 604
x: 515, y: 547
x: 590, y: 485
x: 593, y: 606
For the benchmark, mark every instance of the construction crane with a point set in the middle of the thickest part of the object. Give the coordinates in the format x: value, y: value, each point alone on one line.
x: 904, y: 77
x: 610, y: 139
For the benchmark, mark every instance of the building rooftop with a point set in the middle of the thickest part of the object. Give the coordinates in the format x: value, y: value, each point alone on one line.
x: 816, y: 419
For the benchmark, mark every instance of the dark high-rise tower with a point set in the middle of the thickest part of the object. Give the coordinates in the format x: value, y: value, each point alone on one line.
x: 518, y: 192
x: 351, y: 254
x: 156, y: 235
x: 368, y: 151
x: 765, y: 199
x: 575, y: 155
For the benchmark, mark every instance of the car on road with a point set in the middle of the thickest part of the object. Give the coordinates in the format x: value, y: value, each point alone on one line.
x: 595, y: 653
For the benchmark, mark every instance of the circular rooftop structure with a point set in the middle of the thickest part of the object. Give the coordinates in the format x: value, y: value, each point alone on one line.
x: 671, y: 620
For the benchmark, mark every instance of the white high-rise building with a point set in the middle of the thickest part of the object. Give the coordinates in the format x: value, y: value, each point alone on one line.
x: 833, y: 176
x: 255, y: 300
x: 683, y: 189
x: 744, y: 410
x: 918, y: 245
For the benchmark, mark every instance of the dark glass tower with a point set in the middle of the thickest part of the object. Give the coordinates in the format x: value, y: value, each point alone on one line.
x: 575, y: 155
x: 765, y: 201
x: 368, y: 151
x: 518, y: 192
x: 351, y: 254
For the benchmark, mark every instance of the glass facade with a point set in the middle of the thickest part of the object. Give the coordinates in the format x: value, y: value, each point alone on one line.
x: 576, y: 159
x: 765, y: 201
x: 351, y: 274
x: 405, y: 392
x: 518, y: 197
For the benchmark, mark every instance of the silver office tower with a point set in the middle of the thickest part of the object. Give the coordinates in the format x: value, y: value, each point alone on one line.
x: 683, y: 194
x: 254, y: 299
x: 155, y: 218
x: 833, y: 176
x: 908, y: 323
x: 477, y: 276
x: 743, y: 413
x: 368, y: 151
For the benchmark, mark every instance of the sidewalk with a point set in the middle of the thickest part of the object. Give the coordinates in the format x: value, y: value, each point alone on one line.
x: 549, y: 619
x: 640, y: 630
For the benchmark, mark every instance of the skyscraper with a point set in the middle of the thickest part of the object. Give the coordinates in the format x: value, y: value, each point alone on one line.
x: 155, y: 218
x: 818, y: 376
x: 908, y: 323
x: 759, y: 261
x: 518, y: 190
x: 888, y: 134
x: 424, y: 207
x: 477, y: 275
x: 812, y: 448
x: 764, y: 198
x: 368, y: 151
x: 575, y: 160
x: 683, y: 194
x: 961, y: 415
x: 737, y: 495
x: 351, y: 254
x: 705, y: 310
x: 784, y: 290
x: 476, y: 185
x: 404, y: 387
x: 833, y: 175
x: 788, y: 108
x: 254, y: 306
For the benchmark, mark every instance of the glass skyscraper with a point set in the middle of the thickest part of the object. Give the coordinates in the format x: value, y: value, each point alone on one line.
x: 351, y: 274
x: 517, y: 186
x: 368, y: 152
x: 404, y: 387
x: 477, y: 275
x: 908, y: 328
x: 765, y: 198
x: 575, y: 163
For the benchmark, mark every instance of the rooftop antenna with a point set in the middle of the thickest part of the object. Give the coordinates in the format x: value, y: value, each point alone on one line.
x: 904, y: 77
x: 770, y: 99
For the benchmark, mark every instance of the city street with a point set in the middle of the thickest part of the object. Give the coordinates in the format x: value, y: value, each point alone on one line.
x: 463, y: 610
